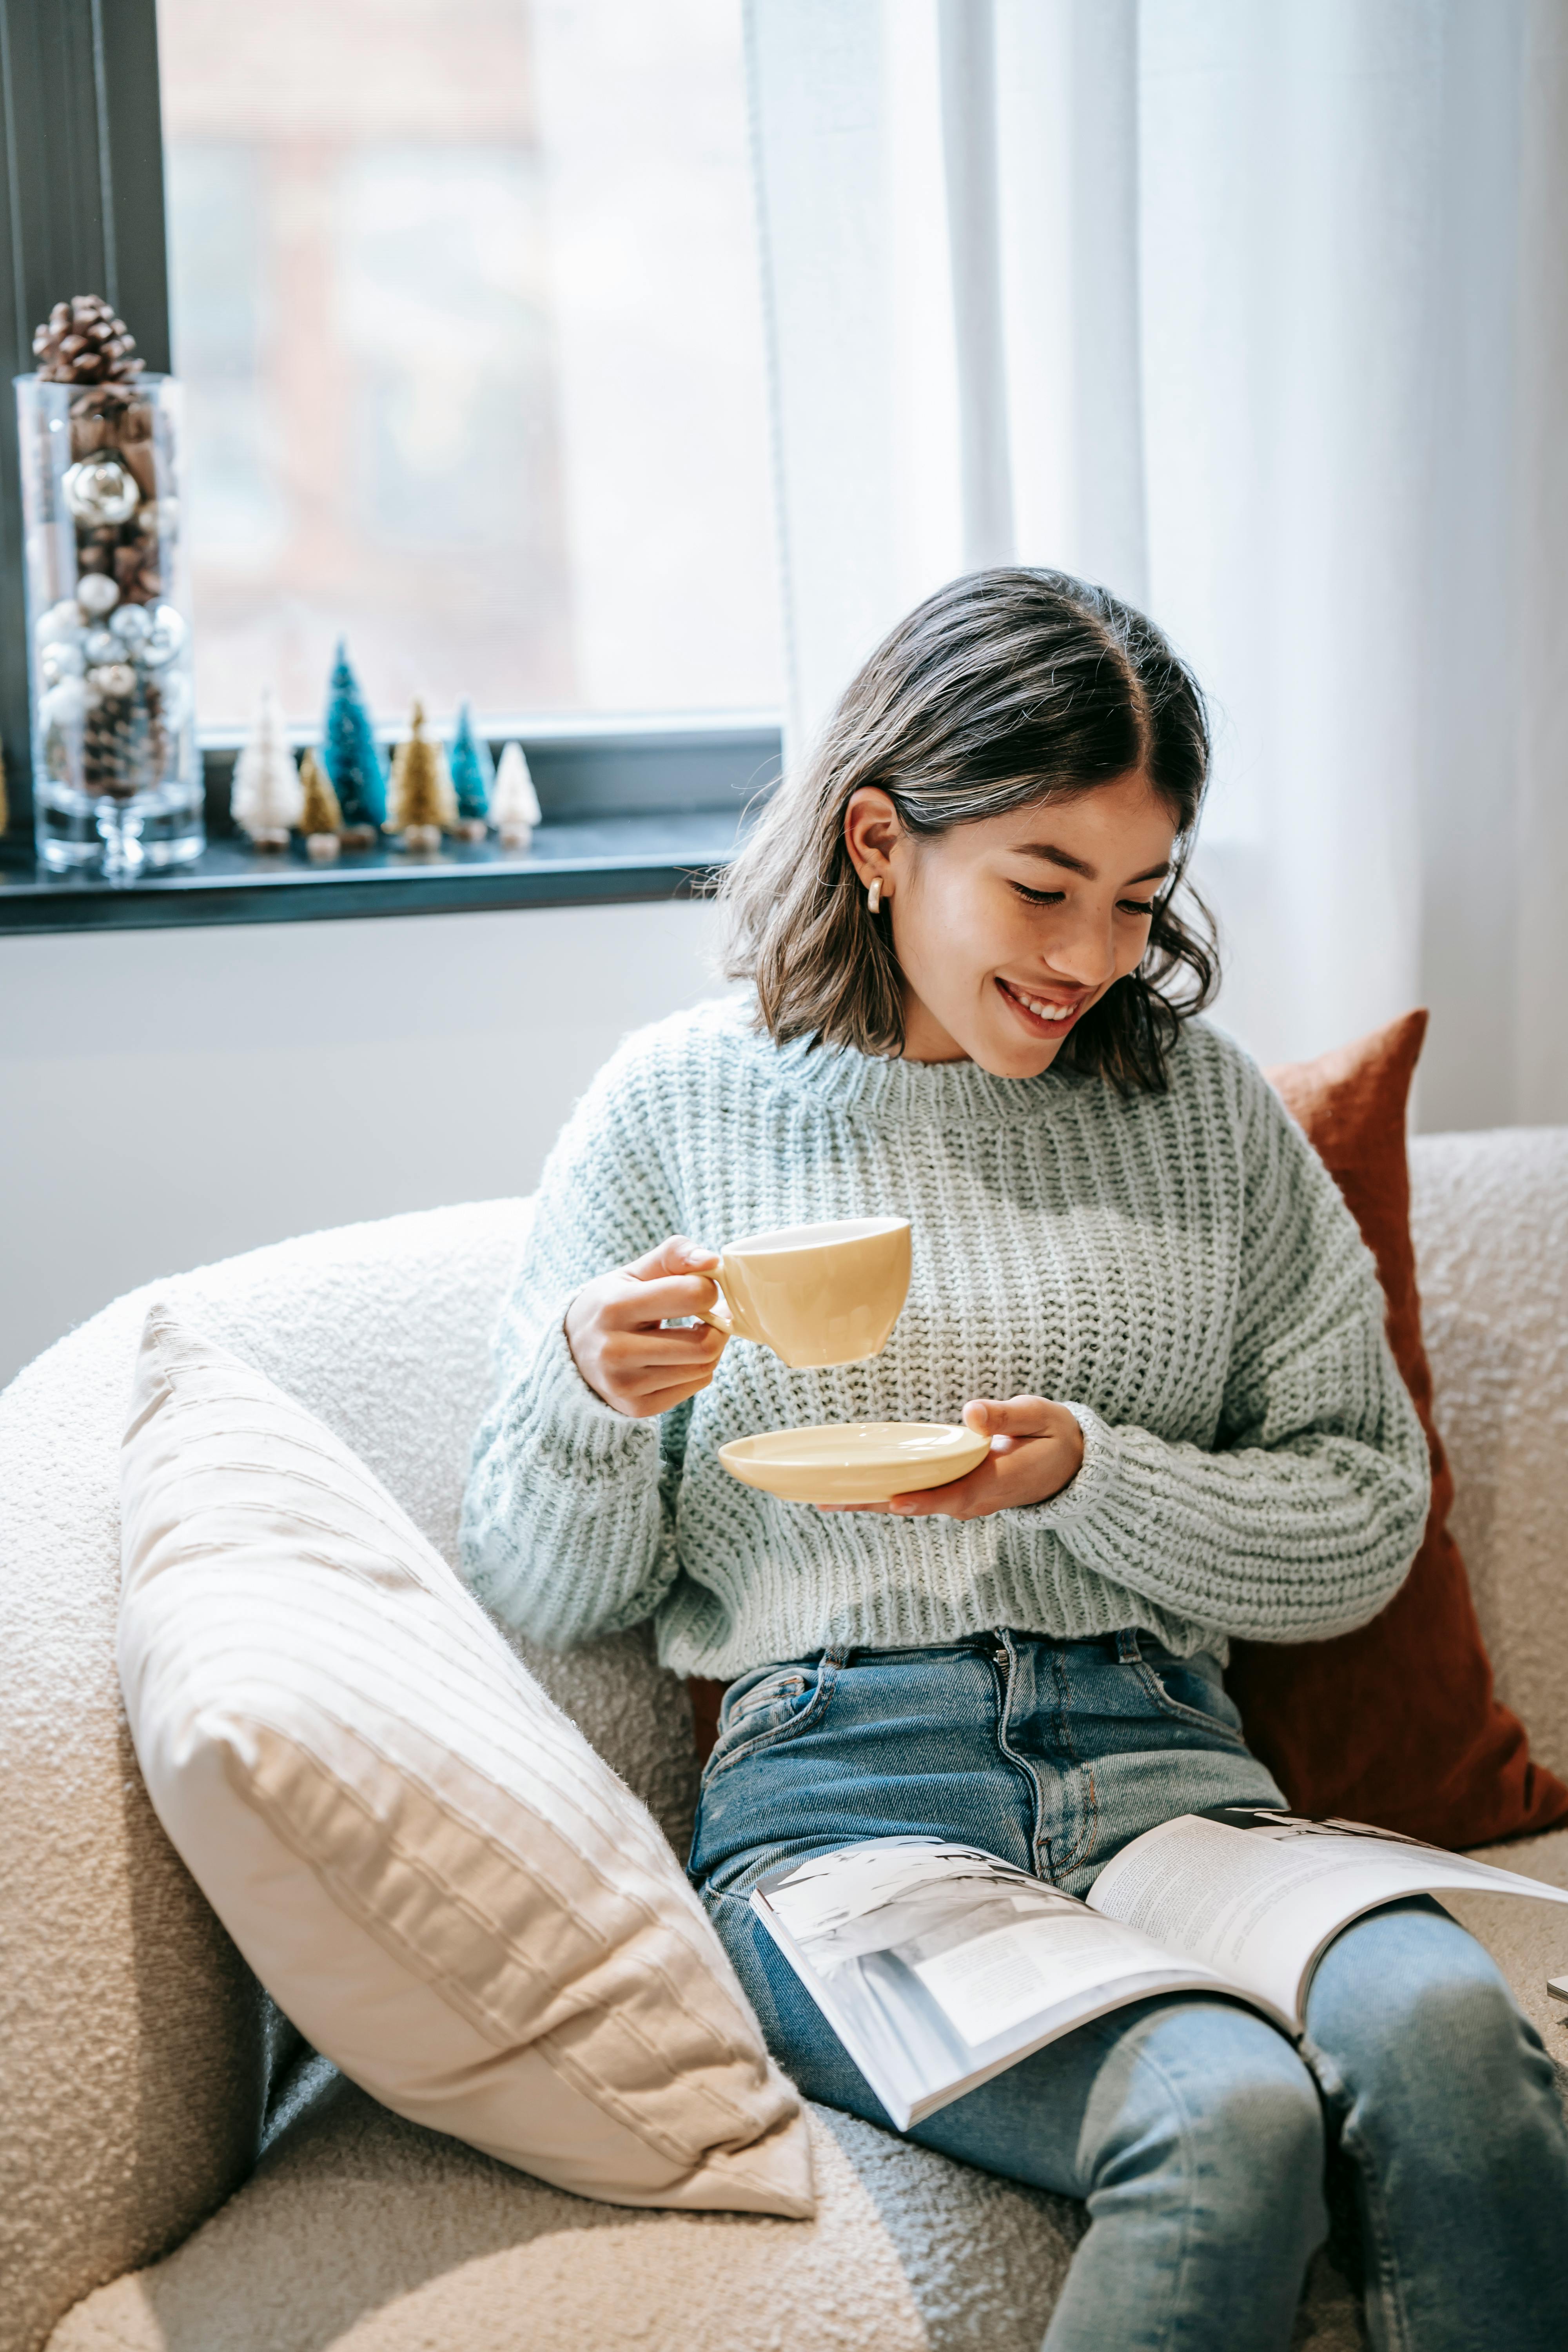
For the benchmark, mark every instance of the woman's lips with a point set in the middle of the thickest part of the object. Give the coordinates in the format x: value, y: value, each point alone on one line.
x: 1043, y: 1016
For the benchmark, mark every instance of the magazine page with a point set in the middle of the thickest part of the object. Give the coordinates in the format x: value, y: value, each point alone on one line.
x: 1258, y: 1893
x: 939, y: 1965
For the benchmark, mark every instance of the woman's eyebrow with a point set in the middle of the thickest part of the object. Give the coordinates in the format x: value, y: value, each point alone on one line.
x: 1077, y: 866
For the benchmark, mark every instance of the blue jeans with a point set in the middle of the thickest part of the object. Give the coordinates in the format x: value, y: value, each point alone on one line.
x: 1194, y: 2133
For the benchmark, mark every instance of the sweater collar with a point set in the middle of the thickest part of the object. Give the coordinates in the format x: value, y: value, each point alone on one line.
x: 937, y: 1093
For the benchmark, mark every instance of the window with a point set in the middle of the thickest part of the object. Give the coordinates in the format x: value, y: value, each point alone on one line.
x: 464, y: 294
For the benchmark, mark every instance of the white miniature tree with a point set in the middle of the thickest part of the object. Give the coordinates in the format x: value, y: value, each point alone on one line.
x: 514, y: 804
x: 267, y: 796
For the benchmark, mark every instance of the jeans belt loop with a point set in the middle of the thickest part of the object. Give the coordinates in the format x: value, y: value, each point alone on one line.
x: 1127, y: 1653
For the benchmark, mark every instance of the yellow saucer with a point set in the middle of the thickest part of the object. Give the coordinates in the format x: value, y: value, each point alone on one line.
x: 854, y: 1461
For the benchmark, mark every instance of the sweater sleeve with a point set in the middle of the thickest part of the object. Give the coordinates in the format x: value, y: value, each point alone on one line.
x: 1302, y: 1519
x: 567, y: 1527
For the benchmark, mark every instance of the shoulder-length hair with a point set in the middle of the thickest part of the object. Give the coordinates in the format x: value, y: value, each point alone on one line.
x: 1005, y: 689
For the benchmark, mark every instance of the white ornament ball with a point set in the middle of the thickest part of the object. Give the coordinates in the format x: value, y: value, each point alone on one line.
x: 64, y: 704
x: 115, y: 679
x: 166, y: 634
x: 61, y: 661
x: 97, y: 594
x: 102, y: 646
x: 98, y: 490
x: 130, y: 623
x: 61, y: 625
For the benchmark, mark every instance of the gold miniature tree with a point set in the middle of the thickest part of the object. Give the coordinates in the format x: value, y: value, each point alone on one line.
x: 320, y: 818
x: 422, y: 800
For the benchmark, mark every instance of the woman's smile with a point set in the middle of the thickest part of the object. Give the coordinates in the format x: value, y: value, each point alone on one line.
x: 1042, y: 1016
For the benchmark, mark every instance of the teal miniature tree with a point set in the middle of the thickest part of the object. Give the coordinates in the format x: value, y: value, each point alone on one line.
x: 350, y: 755
x: 473, y: 773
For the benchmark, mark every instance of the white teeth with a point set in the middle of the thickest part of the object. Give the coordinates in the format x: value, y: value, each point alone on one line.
x: 1040, y: 1009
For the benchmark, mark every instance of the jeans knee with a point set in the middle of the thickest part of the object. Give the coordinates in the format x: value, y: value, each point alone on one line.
x: 1431, y: 2027
x: 1234, y: 2126
x: 1263, y: 2133
x: 1466, y: 2024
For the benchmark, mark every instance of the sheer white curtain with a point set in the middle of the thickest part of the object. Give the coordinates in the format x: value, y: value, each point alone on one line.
x: 1259, y: 315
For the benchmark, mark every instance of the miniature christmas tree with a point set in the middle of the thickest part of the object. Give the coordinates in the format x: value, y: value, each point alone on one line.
x: 450, y: 821
x: 352, y: 758
x: 265, y: 799
x: 320, y: 818
x: 514, y: 804
x: 422, y: 798
x: 473, y: 773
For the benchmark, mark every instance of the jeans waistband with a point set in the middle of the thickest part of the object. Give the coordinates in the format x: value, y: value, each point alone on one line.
x: 1122, y: 1645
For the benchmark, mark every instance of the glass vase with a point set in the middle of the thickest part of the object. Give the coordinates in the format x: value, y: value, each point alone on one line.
x: 117, y: 781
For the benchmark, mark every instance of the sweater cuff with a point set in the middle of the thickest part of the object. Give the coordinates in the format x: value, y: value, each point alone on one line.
x: 569, y: 1408
x: 1096, y: 1482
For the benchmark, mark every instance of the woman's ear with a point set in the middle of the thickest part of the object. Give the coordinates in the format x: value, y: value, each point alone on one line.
x: 871, y: 832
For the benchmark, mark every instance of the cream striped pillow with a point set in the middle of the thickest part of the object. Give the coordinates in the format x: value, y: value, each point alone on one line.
x: 426, y: 1865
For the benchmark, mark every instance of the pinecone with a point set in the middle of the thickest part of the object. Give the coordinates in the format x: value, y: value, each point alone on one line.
x: 136, y: 570
x: 82, y: 342
x: 124, y: 743
x: 103, y: 765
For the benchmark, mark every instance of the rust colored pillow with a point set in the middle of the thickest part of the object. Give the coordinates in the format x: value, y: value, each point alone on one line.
x: 706, y: 1697
x: 1397, y: 1723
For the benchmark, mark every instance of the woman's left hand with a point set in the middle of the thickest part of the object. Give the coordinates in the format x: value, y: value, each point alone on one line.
x: 1037, y: 1449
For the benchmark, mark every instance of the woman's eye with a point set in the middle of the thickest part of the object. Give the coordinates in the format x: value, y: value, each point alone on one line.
x: 1054, y: 898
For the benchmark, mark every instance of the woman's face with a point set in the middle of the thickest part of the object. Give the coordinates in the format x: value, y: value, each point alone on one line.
x: 1009, y: 928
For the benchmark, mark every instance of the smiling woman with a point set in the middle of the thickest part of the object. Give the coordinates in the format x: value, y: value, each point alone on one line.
x: 998, y: 968
x: 1016, y: 766
x: 1132, y: 1277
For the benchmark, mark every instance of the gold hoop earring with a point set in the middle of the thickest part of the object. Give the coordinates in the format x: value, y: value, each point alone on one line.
x: 874, y: 896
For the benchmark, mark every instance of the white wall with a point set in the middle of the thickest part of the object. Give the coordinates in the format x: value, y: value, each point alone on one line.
x: 167, y: 1097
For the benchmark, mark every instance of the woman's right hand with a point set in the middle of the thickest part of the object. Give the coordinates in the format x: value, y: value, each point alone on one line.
x: 614, y: 1329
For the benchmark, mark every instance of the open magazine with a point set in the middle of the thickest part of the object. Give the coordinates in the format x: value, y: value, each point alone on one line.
x: 939, y: 1966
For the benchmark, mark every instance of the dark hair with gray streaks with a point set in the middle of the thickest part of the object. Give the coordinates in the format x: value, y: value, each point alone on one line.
x: 1005, y: 689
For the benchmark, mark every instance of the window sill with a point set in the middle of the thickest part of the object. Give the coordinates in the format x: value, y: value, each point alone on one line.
x: 634, y: 809
x: 588, y: 861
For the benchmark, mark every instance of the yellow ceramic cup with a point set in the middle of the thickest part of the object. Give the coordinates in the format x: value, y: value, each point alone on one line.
x: 817, y: 1294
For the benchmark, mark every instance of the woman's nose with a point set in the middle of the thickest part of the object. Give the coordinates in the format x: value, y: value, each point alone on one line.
x: 1082, y: 949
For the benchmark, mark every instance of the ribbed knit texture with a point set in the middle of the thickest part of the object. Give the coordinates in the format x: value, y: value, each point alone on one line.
x: 1179, y: 1269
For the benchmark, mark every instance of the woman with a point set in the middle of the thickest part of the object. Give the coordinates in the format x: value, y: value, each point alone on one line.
x: 972, y: 1003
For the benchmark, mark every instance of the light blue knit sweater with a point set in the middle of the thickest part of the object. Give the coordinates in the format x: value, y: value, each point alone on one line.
x: 1179, y: 1269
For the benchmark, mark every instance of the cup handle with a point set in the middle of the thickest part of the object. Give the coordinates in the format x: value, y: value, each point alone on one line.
x: 718, y: 1317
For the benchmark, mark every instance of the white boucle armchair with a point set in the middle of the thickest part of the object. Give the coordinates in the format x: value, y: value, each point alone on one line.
x: 144, y: 2073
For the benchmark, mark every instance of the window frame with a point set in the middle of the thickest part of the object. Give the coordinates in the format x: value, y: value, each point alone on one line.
x: 82, y: 210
